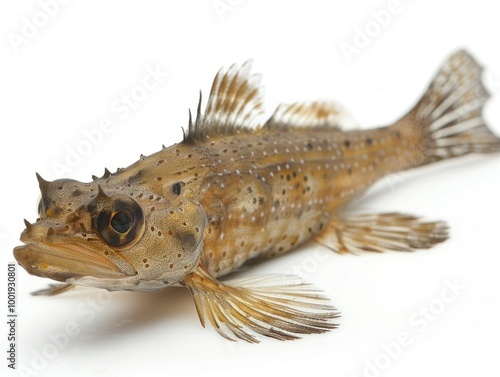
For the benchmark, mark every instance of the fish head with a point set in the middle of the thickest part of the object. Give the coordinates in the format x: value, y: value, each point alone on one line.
x: 94, y: 235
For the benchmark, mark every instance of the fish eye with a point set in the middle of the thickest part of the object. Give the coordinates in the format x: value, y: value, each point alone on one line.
x: 177, y: 188
x: 120, y: 223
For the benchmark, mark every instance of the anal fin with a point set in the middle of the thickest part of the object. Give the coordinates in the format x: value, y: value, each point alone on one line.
x: 382, y: 232
x: 281, y: 307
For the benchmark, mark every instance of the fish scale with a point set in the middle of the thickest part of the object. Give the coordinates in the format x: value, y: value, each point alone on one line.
x: 237, y: 188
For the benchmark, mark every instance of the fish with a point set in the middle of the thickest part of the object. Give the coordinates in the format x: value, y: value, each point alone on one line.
x: 240, y: 187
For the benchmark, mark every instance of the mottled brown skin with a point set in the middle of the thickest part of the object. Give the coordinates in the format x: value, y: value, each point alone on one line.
x: 65, y: 244
x: 268, y: 192
x: 230, y: 192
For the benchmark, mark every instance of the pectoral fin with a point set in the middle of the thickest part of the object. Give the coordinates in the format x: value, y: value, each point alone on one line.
x: 53, y: 289
x: 281, y: 307
x: 381, y: 232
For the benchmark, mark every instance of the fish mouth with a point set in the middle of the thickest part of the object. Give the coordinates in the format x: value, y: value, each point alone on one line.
x: 65, y: 261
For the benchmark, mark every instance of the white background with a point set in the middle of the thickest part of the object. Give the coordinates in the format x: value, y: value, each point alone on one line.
x: 64, y: 80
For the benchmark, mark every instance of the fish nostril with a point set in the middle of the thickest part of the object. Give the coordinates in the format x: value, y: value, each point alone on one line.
x: 50, y: 231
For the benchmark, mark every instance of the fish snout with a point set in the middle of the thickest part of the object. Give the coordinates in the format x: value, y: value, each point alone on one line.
x: 42, y: 231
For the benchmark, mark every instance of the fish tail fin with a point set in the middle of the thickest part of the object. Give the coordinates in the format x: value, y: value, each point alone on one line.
x: 447, y: 121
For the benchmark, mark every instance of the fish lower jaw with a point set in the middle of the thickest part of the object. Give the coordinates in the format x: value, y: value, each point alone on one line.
x: 61, y: 263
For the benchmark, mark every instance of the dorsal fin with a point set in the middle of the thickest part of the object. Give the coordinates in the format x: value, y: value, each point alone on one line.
x: 311, y: 114
x: 235, y: 104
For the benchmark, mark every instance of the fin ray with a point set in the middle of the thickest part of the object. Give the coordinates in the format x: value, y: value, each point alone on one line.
x: 53, y: 289
x: 381, y: 232
x: 448, y: 118
x: 278, y: 307
x: 311, y: 114
x: 235, y: 104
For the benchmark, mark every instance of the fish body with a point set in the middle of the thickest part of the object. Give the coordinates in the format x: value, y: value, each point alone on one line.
x: 267, y: 192
x: 236, y: 189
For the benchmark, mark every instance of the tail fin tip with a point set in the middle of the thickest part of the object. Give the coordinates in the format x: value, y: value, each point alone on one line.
x: 450, y: 112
